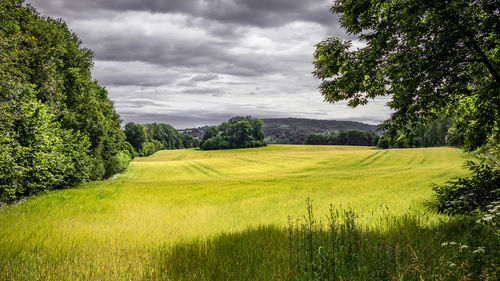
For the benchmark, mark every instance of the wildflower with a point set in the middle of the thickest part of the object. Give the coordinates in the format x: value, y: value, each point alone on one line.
x: 479, y: 250
x: 453, y: 243
x: 444, y: 244
x: 488, y: 217
x: 464, y: 247
x: 452, y: 265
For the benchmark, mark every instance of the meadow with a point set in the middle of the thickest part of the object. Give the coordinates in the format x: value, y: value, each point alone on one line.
x: 173, y: 207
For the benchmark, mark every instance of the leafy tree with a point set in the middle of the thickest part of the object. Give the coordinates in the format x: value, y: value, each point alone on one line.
x: 188, y: 141
x: 210, y: 132
x: 135, y: 135
x: 433, y: 57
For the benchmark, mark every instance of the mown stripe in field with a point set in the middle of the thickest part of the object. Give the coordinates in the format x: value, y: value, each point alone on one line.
x: 209, y: 172
x: 259, y: 162
x: 374, y: 159
x: 367, y: 158
x: 181, y: 156
x: 212, y: 170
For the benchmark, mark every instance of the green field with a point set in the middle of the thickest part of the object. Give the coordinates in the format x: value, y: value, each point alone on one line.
x: 112, y: 230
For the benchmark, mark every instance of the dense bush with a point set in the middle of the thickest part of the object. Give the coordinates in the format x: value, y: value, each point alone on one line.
x: 36, y: 154
x: 347, y: 137
x: 479, y: 192
x: 120, y: 161
x: 238, y: 132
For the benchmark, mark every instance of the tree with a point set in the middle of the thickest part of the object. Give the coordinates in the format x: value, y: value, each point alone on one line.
x: 136, y: 135
x: 237, y: 132
x: 434, y: 58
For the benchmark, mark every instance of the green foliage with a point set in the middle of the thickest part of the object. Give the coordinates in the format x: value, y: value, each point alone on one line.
x: 434, y: 58
x: 135, y: 135
x: 465, y: 196
x: 126, y: 146
x: 149, y: 138
x: 237, y: 132
x: 120, y: 161
x: 148, y: 148
x: 42, y: 53
x: 383, y: 143
x: 36, y: 154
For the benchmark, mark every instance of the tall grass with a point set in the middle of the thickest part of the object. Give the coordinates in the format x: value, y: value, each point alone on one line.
x: 397, y: 248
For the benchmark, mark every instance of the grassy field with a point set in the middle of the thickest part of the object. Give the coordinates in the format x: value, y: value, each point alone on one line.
x: 113, y: 230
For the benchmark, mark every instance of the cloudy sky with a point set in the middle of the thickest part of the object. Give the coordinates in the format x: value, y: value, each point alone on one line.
x: 198, y: 62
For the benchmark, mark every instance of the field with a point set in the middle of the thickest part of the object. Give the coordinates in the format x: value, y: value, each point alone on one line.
x: 119, y: 228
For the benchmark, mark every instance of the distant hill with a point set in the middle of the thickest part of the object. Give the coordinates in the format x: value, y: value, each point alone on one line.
x: 296, y: 130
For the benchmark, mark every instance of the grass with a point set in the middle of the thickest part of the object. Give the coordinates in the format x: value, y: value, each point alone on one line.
x: 115, y: 229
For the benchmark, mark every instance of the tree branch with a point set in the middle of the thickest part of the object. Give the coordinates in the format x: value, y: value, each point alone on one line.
x: 484, y: 59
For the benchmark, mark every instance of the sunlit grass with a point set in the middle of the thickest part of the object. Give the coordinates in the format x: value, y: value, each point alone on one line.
x: 110, y: 230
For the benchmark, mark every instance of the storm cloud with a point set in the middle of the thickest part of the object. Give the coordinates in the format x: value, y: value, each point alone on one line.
x: 197, y: 62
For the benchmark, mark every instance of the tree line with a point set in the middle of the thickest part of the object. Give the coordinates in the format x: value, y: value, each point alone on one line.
x: 149, y: 138
x: 58, y: 128
x: 347, y: 137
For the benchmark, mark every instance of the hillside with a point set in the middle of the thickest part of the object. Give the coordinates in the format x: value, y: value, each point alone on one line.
x: 296, y: 130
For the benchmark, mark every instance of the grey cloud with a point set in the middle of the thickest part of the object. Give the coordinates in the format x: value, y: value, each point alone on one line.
x: 212, y: 91
x: 263, y: 13
x: 204, y: 77
x: 198, y: 62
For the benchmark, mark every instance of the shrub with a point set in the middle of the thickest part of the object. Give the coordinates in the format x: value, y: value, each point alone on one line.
x: 148, y: 148
x: 36, y: 154
x: 119, y: 162
x: 465, y: 196
x: 383, y: 143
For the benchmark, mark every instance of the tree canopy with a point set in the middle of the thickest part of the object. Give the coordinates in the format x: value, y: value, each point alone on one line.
x: 434, y: 58
x: 347, y: 137
x: 237, y: 132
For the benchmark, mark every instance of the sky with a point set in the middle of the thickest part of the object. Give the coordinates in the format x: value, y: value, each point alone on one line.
x: 190, y: 63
